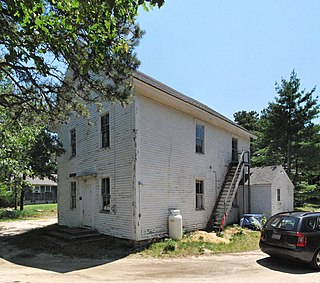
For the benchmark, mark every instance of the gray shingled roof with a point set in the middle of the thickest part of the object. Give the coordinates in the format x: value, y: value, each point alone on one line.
x: 156, y: 84
x: 41, y: 182
x: 263, y: 175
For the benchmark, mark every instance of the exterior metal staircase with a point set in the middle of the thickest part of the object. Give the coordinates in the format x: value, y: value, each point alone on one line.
x: 235, y: 174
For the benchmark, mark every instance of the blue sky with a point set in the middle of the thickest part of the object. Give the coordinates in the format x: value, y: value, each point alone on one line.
x: 228, y: 54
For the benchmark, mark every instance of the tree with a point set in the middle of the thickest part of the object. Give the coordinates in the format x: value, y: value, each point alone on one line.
x: 251, y: 122
x: 289, y: 135
x: 248, y: 120
x: 41, y: 39
x: 26, y: 150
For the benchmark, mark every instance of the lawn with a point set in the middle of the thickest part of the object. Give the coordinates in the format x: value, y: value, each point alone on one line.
x: 234, y: 239
x: 29, y: 212
x: 309, y: 207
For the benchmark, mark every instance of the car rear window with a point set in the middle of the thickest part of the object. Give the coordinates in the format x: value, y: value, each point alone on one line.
x: 287, y: 223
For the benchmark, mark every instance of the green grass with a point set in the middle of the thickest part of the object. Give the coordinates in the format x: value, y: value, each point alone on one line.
x: 309, y: 207
x: 241, y: 241
x: 29, y: 212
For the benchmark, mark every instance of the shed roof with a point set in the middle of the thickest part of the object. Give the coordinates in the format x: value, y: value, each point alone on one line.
x: 265, y: 174
x: 178, y: 95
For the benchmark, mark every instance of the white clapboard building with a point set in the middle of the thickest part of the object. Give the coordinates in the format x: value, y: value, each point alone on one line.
x: 124, y: 171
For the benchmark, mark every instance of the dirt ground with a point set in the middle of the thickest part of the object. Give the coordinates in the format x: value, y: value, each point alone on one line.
x: 30, y: 236
x: 19, y: 262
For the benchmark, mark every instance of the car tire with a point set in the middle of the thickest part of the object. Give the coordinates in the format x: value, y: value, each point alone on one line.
x: 316, y: 260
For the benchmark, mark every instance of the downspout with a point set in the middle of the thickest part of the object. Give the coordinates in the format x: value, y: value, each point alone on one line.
x: 136, y: 185
x: 249, y: 191
x: 249, y: 185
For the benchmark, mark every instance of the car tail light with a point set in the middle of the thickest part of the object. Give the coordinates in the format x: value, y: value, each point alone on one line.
x: 302, y: 240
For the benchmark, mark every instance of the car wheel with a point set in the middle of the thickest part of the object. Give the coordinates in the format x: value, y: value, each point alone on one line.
x: 316, y: 260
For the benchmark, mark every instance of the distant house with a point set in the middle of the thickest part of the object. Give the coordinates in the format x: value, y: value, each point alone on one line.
x: 43, y: 191
x: 124, y: 172
x: 271, y: 191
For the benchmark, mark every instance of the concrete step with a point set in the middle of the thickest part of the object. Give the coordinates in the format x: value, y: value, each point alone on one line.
x: 64, y: 235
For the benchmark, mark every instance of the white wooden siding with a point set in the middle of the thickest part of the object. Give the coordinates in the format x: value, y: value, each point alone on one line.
x: 261, y: 199
x: 115, y: 162
x: 167, y: 167
x: 283, y: 183
x: 152, y: 166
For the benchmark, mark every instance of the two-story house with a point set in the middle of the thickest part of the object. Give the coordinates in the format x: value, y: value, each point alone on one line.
x: 124, y: 171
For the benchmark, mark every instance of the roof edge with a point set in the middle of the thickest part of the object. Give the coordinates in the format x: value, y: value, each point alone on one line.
x: 182, y: 97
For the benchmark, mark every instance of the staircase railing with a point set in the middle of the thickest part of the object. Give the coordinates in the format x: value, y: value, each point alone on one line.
x: 233, y: 187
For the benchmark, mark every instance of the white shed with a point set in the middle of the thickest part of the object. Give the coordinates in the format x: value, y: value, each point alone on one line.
x: 271, y: 190
x: 124, y: 171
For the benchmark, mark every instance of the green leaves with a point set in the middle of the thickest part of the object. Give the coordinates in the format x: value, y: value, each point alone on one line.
x: 40, y: 40
x: 288, y: 133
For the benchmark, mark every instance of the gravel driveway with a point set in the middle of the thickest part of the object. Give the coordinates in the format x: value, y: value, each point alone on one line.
x: 24, y: 266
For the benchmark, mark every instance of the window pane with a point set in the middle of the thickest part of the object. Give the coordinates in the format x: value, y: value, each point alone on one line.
x: 105, y: 194
x: 73, y: 142
x: 199, y: 194
x: 73, y: 192
x: 199, y: 138
x: 105, y: 131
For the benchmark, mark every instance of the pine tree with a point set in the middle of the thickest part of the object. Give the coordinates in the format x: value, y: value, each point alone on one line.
x: 289, y: 135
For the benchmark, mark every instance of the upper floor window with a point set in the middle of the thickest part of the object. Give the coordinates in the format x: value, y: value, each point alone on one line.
x: 235, y: 150
x: 199, y: 138
x: 73, y: 141
x: 105, y: 130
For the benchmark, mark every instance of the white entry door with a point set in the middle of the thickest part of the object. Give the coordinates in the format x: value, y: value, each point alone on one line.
x: 87, y: 205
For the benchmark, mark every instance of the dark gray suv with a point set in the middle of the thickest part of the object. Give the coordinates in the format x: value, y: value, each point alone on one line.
x: 293, y: 234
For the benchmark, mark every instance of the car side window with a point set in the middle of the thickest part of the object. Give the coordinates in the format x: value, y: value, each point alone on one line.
x: 312, y: 223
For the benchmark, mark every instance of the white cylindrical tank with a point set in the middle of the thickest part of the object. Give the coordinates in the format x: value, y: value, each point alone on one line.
x: 175, y: 224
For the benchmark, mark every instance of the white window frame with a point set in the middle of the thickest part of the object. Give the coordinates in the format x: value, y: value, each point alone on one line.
x: 199, y: 139
x: 36, y: 190
x: 73, y: 142
x: 105, y: 193
x: 105, y: 131
x: 73, y: 195
x: 199, y: 194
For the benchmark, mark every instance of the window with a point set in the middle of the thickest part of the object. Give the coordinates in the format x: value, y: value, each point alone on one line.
x: 283, y: 222
x: 105, y: 194
x: 199, y: 138
x: 36, y: 189
x: 48, y: 189
x: 278, y: 195
x: 314, y: 223
x: 73, y: 142
x: 105, y: 131
x: 199, y: 195
x: 73, y: 194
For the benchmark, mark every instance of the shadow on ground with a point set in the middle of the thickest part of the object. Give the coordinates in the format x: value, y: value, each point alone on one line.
x: 285, y: 266
x: 34, y: 250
